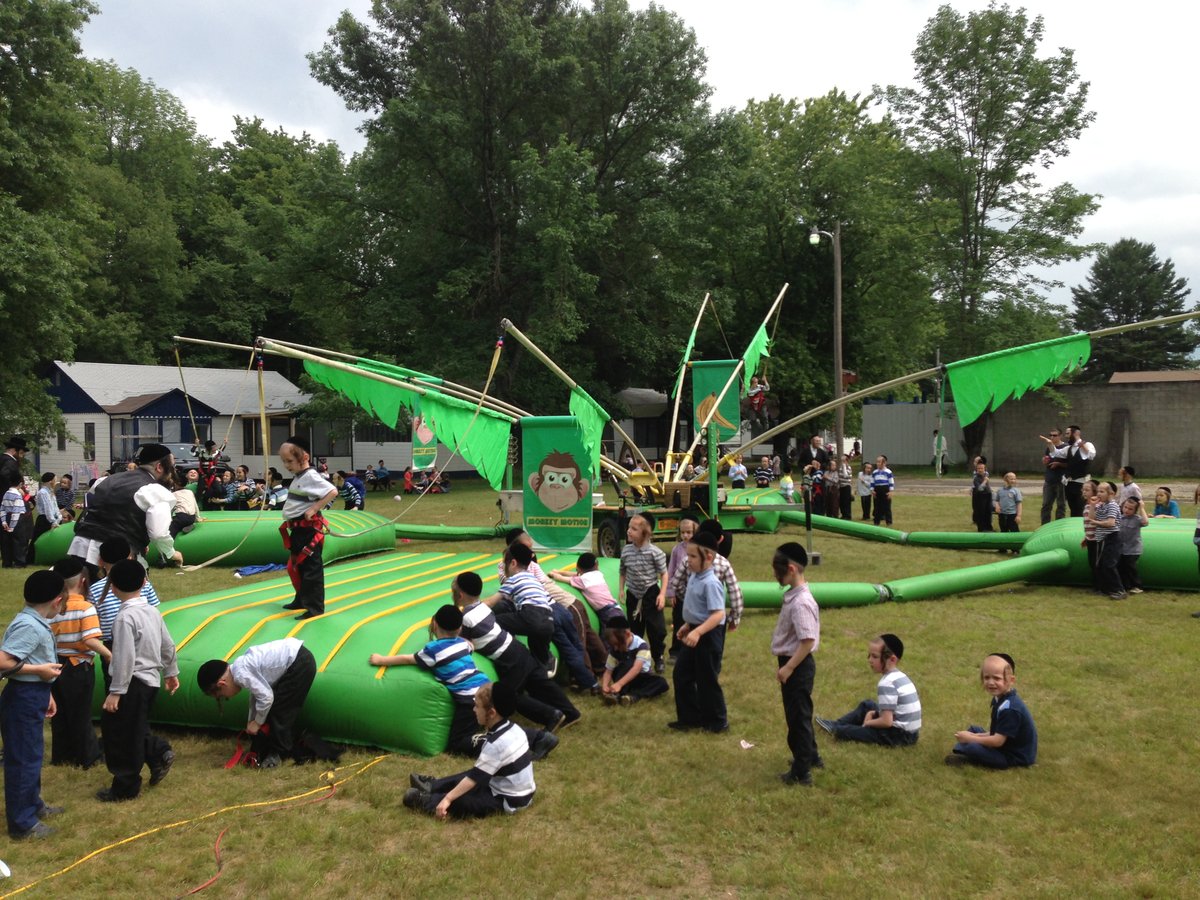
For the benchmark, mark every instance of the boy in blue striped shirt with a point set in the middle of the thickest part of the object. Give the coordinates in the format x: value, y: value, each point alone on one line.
x: 448, y: 658
x: 894, y: 718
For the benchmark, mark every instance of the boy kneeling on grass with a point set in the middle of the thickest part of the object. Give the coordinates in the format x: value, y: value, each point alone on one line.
x: 894, y: 719
x: 279, y: 675
x: 629, y: 672
x: 1011, y: 738
x: 501, y: 779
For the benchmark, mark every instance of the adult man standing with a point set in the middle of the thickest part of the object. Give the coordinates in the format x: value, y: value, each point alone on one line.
x: 812, y: 451
x: 1078, y: 455
x: 11, y: 460
x: 1053, y: 494
x: 135, y: 505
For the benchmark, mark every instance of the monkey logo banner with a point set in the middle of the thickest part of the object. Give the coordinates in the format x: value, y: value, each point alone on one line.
x: 424, y: 441
x: 557, y: 483
x: 708, y: 379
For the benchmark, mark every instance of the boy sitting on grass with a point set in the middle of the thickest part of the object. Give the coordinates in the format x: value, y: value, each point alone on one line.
x: 1011, y: 738
x: 894, y: 719
x: 501, y: 779
x: 629, y: 673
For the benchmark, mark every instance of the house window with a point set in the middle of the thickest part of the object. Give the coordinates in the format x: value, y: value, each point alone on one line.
x: 377, y: 433
x: 89, y: 441
x: 62, y: 440
x: 279, y: 430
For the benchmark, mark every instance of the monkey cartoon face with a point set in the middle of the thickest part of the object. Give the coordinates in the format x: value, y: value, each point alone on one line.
x: 558, y: 483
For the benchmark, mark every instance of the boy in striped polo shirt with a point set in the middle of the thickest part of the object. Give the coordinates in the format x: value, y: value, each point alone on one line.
x: 532, y: 613
x: 644, y: 585
x: 501, y: 779
x: 1106, y: 517
x: 77, y: 633
x: 894, y: 719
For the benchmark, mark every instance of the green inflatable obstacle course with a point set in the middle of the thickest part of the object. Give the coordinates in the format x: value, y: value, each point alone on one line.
x: 351, y: 533
x: 382, y: 604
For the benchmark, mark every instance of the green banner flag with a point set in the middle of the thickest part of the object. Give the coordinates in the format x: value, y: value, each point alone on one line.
x: 708, y: 379
x: 760, y: 346
x: 424, y: 441
x: 557, y: 483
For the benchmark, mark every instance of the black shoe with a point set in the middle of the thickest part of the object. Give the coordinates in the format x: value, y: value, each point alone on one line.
x: 415, y: 799
x: 569, y: 719
x: 818, y: 763
x: 659, y: 667
x: 792, y: 779
x: 826, y: 725
x: 956, y: 759
x: 717, y: 729
x: 542, y: 745
x: 105, y: 795
x: 270, y: 761
x: 423, y: 783
x: 308, y: 615
x: 293, y: 605
x: 681, y: 726
x: 159, y: 772
x: 557, y: 723
x: 1196, y: 614
x: 47, y: 811
x: 37, y: 831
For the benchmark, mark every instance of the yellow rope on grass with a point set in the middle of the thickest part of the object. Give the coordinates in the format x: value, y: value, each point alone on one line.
x: 325, y: 776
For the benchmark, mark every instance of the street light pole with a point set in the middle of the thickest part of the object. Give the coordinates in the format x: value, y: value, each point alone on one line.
x: 814, y: 238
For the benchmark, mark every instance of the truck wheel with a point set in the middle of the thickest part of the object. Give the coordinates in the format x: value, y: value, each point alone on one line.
x: 608, y: 541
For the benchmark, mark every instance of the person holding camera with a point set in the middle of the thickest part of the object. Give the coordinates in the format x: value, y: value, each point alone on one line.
x: 1076, y: 455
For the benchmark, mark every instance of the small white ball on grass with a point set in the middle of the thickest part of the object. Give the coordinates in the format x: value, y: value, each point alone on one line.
x: 398, y: 499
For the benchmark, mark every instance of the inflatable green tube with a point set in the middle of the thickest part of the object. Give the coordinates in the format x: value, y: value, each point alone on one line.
x: 1169, y: 560
x: 768, y: 594
x: 957, y: 581
x: 949, y: 540
x: 381, y: 604
x: 448, y: 532
x: 351, y: 533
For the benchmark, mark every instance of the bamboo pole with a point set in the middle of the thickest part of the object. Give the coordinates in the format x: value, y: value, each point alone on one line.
x: 550, y: 364
x: 732, y: 378
x: 679, y: 392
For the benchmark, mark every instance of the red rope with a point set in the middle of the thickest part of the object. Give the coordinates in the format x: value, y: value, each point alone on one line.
x: 220, y: 865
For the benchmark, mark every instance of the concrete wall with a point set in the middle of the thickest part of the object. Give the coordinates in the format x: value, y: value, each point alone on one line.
x: 903, y: 432
x: 1150, y: 426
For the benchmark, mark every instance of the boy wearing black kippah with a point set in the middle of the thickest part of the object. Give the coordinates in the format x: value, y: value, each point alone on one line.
x: 894, y: 718
x: 142, y: 653
x: 797, y: 636
x: 501, y: 779
x: 28, y: 657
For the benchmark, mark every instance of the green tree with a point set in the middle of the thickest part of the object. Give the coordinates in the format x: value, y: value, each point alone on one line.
x: 1129, y: 283
x: 987, y: 116
x: 45, y: 218
x: 816, y: 163
x: 528, y: 159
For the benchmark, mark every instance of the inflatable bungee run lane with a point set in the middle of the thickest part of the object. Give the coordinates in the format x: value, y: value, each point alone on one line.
x: 351, y: 533
x: 383, y: 604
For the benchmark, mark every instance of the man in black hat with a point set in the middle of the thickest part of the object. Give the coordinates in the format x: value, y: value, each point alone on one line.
x: 135, y: 505
x: 10, y: 462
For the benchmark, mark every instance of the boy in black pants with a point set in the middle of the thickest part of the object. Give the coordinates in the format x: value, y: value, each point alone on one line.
x: 142, y: 653
x: 278, y: 675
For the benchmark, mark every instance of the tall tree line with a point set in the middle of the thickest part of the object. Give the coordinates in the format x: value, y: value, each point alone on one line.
x: 551, y: 162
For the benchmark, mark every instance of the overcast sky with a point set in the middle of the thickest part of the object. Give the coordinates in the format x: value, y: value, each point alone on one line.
x: 224, y: 58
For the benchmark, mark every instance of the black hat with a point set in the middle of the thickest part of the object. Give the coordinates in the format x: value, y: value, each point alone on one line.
x: 617, y: 622
x: 148, y: 454
x: 504, y: 699
x: 297, y: 441
x: 448, y: 618
x: 114, y: 550
x: 68, y: 566
x: 793, y: 552
x: 16, y: 442
x: 210, y: 673
x: 127, y: 575
x: 1004, y: 656
x: 43, y: 586
x: 894, y: 644
x: 706, y: 540
x: 469, y: 583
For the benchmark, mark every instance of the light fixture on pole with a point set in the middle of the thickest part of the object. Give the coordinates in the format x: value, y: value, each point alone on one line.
x: 835, y: 238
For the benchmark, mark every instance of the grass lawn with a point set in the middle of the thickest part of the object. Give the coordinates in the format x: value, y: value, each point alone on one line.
x: 626, y: 807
